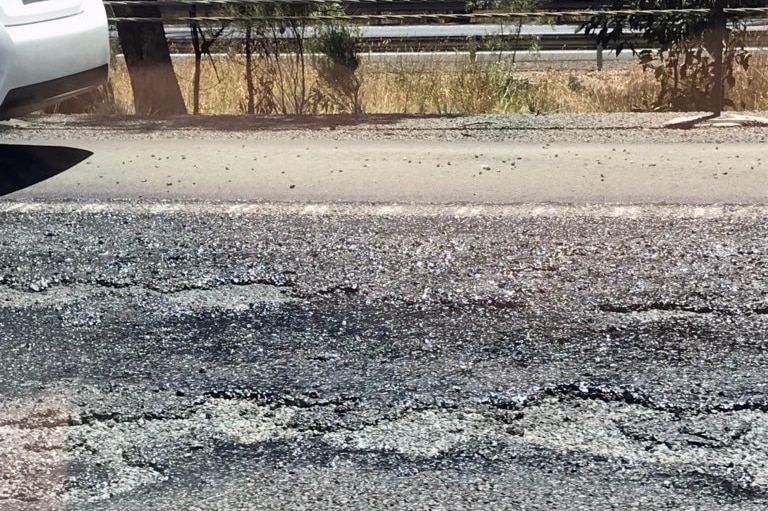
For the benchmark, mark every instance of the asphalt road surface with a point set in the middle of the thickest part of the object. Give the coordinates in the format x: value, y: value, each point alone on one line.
x: 230, y: 353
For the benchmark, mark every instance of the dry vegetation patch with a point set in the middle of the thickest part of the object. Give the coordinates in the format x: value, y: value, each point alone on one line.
x: 446, y: 87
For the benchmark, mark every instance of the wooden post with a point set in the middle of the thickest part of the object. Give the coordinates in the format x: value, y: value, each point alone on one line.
x: 474, y: 42
x: 599, y: 56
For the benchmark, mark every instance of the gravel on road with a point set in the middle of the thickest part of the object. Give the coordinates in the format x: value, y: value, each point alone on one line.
x: 524, y: 128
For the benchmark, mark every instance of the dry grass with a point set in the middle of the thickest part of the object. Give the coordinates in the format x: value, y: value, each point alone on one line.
x: 463, y: 88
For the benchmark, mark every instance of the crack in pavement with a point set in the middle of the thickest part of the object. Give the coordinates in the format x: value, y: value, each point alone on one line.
x: 676, y: 307
x: 98, y: 456
x: 266, y: 398
x: 656, y: 306
x: 610, y: 393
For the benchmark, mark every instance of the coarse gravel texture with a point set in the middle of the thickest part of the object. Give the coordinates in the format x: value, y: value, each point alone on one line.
x: 200, y: 356
x: 529, y: 128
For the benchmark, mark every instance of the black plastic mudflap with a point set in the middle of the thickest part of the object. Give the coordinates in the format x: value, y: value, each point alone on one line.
x: 29, y: 98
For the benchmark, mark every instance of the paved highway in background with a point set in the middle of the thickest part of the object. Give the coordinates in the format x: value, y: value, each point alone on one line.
x: 418, y: 31
x: 553, y: 44
x: 409, y: 313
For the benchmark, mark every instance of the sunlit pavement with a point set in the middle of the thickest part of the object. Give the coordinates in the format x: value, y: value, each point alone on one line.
x: 412, y: 171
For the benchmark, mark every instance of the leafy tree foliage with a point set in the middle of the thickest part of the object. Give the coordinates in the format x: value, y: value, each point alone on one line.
x: 338, y: 85
x: 686, y: 62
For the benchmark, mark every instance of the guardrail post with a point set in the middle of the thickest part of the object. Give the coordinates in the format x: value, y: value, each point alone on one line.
x: 599, y: 56
x: 474, y: 42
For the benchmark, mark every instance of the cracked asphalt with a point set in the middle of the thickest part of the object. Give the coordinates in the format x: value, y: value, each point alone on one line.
x: 215, y: 357
x: 544, y: 313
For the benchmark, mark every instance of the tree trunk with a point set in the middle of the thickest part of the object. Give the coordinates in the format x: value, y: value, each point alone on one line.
x: 155, y: 87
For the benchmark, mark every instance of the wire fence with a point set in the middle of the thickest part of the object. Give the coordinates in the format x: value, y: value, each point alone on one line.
x: 563, y: 15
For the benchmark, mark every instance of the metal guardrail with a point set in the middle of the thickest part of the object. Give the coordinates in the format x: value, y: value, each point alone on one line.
x: 374, y: 12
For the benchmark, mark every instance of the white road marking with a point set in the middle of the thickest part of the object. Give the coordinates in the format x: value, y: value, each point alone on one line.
x: 389, y: 211
x: 418, y: 210
x: 315, y: 209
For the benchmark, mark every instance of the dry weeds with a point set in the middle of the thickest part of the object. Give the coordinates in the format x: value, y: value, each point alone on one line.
x: 458, y: 88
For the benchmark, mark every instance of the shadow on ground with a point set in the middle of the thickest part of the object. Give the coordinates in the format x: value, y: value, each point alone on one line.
x: 244, y: 122
x: 25, y: 165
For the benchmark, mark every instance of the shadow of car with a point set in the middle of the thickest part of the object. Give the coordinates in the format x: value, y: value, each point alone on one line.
x: 25, y: 165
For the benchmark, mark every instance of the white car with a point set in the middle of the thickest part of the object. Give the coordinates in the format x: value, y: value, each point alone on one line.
x: 50, y: 50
